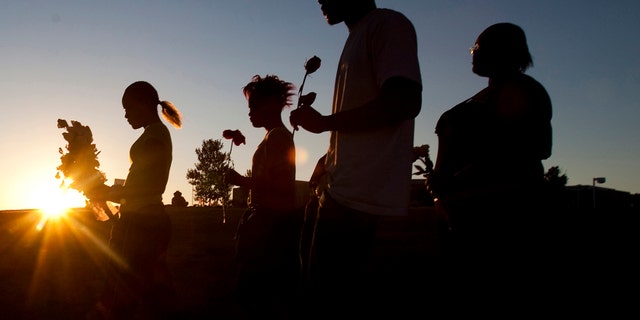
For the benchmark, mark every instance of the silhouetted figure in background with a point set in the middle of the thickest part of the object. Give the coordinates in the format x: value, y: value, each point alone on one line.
x: 139, y: 283
x: 178, y: 200
x: 267, y: 242
x: 378, y: 93
x: 489, y: 176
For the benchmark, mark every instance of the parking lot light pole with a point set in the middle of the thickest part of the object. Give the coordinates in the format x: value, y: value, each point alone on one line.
x: 596, y: 180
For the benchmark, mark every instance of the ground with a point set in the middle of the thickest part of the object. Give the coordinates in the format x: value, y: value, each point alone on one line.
x: 57, y: 272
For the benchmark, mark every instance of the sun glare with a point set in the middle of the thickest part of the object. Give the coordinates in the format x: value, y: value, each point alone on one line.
x: 54, y: 201
x: 301, y: 156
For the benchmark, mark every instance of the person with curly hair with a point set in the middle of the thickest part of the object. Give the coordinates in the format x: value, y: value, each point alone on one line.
x: 267, y: 240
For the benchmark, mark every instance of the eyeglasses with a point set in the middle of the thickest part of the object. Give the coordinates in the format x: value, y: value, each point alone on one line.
x: 474, y: 49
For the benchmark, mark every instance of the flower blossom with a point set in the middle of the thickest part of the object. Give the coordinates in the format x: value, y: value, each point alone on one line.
x: 312, y: 65
x: 422, y: 153
x: 235, y: 136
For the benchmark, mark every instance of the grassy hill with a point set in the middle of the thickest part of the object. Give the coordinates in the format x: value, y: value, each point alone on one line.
x: 58, y: 272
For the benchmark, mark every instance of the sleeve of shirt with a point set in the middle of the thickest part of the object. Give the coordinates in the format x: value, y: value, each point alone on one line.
x: 395, y: 48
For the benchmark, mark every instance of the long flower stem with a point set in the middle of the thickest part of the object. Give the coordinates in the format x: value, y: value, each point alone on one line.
x: 300, y: 95
x: 302, y: 87
x: 224, y: 202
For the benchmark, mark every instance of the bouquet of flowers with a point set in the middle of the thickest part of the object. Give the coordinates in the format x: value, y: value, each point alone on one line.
x: 421, y: 154
x: 80, y: 165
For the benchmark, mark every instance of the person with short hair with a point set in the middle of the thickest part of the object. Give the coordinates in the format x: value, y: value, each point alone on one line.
x: 488, y: 175
x: 377, y: 95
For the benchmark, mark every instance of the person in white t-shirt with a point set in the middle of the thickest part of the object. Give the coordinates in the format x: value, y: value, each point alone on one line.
x: 368, y: 166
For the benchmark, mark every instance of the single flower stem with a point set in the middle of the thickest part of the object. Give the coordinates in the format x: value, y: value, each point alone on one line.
x: 300, y: 95
x: 302, y: 87
x: 229, y: 165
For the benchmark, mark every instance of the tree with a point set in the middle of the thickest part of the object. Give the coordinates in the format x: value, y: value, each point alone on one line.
x: 555, y: 179
x: 556, y: 182
x: 208, y: 175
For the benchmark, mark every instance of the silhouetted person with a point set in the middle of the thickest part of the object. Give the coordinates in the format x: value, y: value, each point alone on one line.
x: 178, y: 200
x: 378, y: 93
x: 489, y: 176
x: 139, y: 283
x: 267, y: 242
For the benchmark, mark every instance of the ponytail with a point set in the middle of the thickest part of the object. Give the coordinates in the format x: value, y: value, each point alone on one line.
x: 171, y: 113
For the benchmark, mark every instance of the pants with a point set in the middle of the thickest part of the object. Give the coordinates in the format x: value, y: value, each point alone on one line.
x: 342, y: 246
x: 138, y: 279
x: 268, y: 266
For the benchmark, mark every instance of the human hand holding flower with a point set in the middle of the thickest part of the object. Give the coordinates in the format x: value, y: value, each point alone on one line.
x: 307, y: 99
x: 310, y: 119
x: 310, y: 66
x: 422, y: 153
x: 231, y: 176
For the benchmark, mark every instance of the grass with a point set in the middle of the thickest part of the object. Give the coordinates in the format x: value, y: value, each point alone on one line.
x: 58, y: 272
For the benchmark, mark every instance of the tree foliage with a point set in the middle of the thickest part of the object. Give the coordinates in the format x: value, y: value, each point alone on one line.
x: 555, y: 178
x: 208, y: 176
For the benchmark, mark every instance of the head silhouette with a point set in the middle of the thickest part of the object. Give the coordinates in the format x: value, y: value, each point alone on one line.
x: 348, y: 11
x: 501, y: 49
x: 267, y: 96
x: 140, y: 101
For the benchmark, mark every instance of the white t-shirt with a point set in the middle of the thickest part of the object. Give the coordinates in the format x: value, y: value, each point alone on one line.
x: 370, y: 171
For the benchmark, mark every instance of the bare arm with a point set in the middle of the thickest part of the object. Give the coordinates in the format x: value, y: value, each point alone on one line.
x: 399, y: 99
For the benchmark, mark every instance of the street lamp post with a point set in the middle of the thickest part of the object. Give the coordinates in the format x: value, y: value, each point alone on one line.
x: 596, y: 180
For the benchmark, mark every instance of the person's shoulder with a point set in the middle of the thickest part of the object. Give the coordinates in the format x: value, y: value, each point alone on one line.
x: 279, y: 133
x: 390, y: 13
x: 157, y: 127
x: 388, y: 17
x: 521, y: 83
x: 461, y: 110
x: 532, y: 85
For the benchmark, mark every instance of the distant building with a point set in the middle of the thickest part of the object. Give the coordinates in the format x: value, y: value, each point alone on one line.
x: 582, y: 197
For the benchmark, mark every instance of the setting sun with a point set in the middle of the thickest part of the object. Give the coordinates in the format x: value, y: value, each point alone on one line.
x: 302, y: 155
x: 54, y: 201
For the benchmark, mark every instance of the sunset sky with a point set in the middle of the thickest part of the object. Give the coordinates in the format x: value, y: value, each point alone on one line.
x: 73, y: 59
